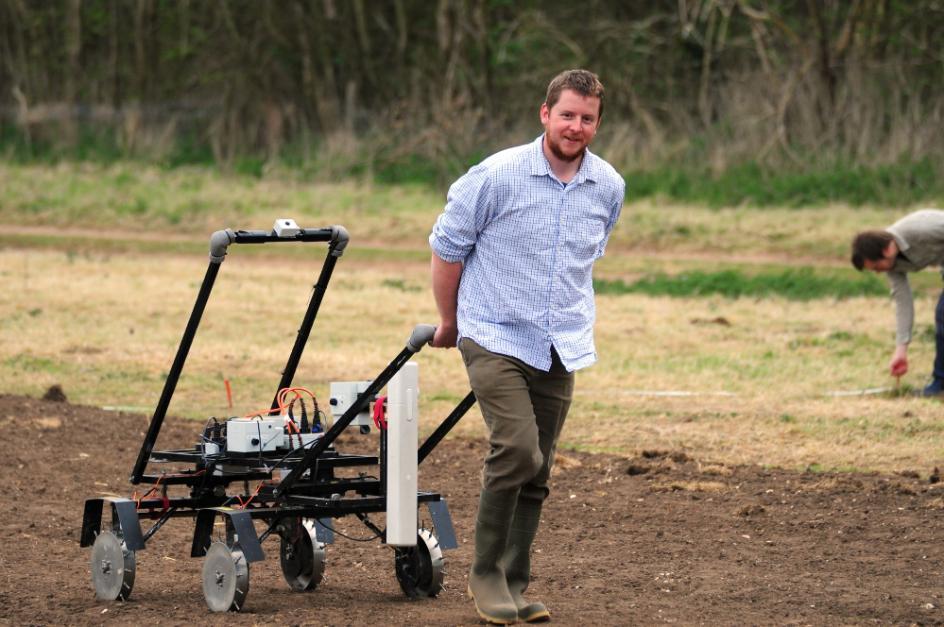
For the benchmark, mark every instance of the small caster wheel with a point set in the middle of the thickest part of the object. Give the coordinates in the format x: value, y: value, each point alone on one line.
x: 113, y: 567
x: 420, y: 568
x: 225, y: 578
x: 301, y: 555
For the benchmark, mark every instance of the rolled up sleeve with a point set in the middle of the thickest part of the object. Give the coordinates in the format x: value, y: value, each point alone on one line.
x: 617, y: 207
x: 467, y: 206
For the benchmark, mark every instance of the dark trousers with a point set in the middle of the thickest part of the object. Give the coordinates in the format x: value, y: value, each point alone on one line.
x: 524, y: 409
x: 939, y: 338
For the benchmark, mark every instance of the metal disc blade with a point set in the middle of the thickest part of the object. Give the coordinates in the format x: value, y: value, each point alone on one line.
x: 225, y: 578
x: 112, y: 568
x: 301, y: 556
x: 420, y: 569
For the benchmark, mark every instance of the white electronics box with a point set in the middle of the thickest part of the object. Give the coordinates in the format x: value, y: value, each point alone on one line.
x: 251, y: 435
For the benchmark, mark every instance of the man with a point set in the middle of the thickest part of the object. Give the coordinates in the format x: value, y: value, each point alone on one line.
x: 911, y: 244
x: 512, y: 261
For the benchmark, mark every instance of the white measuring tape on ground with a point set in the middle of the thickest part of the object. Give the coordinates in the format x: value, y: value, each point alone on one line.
x: 671, y: 393
x: 692, y: 393
x: 862, y: 392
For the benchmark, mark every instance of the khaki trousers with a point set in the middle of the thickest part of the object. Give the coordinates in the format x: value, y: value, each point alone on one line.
x: 524, y: 409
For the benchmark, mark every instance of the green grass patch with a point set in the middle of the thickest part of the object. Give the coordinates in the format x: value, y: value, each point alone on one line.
x: 26, y: 364
x: 401, y: 285
x: 900, y: 184
x: 793, y: 284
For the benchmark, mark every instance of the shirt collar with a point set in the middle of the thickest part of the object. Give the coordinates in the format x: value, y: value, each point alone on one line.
x: 901, y: 243
x: 588, y: 171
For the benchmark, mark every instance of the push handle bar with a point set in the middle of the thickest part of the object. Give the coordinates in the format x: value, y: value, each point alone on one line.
x: 421, y: 336
x: 220, y: 241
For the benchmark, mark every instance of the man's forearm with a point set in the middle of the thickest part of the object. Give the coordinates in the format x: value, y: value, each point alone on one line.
x: 445, y: 279
x: 904, y: 307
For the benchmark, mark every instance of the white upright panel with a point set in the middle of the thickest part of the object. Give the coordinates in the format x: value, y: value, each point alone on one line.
x: 402, y: 441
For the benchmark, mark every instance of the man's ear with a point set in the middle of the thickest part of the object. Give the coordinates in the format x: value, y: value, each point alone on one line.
x: 890, y: 250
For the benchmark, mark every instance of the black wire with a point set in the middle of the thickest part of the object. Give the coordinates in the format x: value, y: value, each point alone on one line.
x: 343, y: 535
x: 268, y: 531
x: 304, y: 422
x: 287, y: 455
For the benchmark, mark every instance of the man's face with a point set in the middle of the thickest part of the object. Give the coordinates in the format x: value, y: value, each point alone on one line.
x: 878, y: 266
x: 885, y: 263
x: 571, y: 124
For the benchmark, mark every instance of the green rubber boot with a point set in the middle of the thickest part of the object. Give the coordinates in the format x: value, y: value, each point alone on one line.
x: 487, y: 585
x: 517, y: 559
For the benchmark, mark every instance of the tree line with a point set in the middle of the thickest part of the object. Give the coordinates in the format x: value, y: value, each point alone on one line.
x: 707, y: 83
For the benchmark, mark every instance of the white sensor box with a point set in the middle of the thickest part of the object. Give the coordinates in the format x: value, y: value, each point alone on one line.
x: 249, y: 435
x: 286, y: 227
x: 343, y: 395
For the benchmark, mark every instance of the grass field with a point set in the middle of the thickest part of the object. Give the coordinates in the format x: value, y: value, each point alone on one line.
x: 102, y: 265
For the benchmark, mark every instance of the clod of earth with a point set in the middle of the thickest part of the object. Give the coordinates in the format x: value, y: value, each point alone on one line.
x: 55, y: 394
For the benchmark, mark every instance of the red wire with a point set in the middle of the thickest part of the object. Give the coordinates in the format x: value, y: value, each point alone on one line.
x: 380, y: 414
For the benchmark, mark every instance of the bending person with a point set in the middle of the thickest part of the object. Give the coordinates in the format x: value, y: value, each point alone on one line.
x: 911, y: 244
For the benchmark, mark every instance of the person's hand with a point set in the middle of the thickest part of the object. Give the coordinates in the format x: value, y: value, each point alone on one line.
x: 899, y: 363
x: 445, y: 336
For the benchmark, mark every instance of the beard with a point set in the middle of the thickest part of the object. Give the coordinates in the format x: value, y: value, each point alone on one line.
x: 558, y: 152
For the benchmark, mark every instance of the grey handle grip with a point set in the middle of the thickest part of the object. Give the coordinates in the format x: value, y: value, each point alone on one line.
x: 421, y: 336
x: 219, y: 242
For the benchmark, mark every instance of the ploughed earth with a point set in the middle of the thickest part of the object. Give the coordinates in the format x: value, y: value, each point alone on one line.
x: 650, y: 539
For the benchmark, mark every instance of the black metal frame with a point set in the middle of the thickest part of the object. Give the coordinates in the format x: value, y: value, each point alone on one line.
x: 310, y: 489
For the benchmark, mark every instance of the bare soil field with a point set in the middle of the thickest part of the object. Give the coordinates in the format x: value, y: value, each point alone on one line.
x: 656, y: 538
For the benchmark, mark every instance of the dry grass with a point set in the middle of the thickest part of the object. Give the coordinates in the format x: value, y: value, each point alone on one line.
x: 105, y: 327
x: 802, y: 235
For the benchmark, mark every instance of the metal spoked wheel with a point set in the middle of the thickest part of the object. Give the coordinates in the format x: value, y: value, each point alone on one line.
x: 225, y: 578
x: 420, y: 568
x: 301, y: 555
x: 113, y: 567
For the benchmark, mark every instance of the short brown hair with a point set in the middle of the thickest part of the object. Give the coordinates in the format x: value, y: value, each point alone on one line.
x: 583, y: 82
x: 869, y: 246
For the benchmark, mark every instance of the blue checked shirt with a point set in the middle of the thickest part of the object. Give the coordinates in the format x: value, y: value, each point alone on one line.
x: 528, y: 243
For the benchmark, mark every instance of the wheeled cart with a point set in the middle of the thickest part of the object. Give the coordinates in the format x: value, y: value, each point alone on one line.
x: 279, y: 472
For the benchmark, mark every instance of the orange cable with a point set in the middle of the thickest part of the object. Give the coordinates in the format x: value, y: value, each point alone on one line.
x: 242, y: 505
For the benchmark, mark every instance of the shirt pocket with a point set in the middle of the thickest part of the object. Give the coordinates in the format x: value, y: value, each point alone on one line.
x: 586, y: 238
